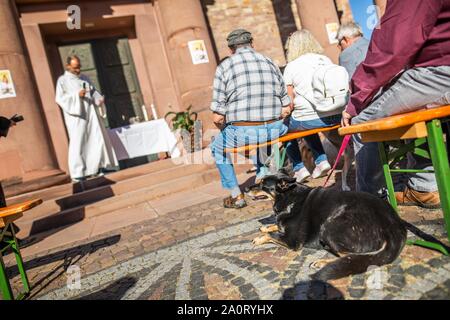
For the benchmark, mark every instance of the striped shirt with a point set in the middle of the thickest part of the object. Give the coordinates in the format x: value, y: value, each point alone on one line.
x: 249, y: 87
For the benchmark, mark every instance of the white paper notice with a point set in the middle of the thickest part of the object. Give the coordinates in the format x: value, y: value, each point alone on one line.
x: 6, y: 85
x: 198, y: 51
x: 332, y: 30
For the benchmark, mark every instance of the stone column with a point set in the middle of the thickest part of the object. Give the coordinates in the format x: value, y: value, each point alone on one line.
x: 27, y: 147
x: 314, y: 16
x: 52, y: 113
x: 183, y: 21
x: 382, y: 5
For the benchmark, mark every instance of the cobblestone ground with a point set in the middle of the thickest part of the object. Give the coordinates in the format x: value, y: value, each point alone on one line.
x: 205, y: 252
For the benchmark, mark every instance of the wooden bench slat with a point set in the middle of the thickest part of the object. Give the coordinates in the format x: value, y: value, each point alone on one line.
x: 398, y: 121
x: 415, y: 131
x: 19, y: 208
x: 285, y: 138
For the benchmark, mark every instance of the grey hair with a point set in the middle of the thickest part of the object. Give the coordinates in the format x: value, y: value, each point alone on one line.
x: 349, y: 30
x: 72, y: 57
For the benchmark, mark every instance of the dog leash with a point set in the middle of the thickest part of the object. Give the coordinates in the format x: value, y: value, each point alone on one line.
x: 344, y: 145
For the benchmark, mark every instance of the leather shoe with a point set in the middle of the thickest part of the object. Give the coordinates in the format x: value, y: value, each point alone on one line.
x: 410, y: 197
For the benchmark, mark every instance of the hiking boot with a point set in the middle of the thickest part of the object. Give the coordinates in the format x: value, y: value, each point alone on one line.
x: 235, y: 203
x: 410, y: 197
x: 302, y: 175
x: 321, y: 170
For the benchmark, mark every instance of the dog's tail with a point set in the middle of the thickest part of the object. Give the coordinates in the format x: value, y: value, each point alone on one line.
x: 356, y: 263
x: 423, y: 235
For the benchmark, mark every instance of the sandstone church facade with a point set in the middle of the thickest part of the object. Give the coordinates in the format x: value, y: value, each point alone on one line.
x: 138, y: 54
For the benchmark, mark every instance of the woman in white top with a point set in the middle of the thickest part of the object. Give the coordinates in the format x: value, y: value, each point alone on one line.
x: 304, y: 55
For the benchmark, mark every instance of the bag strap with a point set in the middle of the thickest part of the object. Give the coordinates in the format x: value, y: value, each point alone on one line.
x: 344, y: 146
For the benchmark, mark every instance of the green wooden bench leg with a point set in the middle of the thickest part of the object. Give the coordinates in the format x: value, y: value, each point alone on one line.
x: 22, y: 271
x: 283, y: 159
x: 387, y: 175
x: 276, y: 150
x: 4, y: 282
x: 441, y: 167
x: 9, y: 241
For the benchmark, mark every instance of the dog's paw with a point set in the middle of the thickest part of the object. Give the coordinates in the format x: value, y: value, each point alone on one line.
x: 269, y: 229
x: 319, y: 264
x: 260, y: 240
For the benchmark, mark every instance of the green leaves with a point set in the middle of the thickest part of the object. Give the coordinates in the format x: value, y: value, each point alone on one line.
x: 183, y: 119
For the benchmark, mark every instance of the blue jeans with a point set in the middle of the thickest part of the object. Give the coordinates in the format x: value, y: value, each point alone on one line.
x: 313, y: 141
x: 236, y: 136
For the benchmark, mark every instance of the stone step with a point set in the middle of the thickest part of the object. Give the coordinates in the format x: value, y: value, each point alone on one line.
x: 71, y: 235
x: 129, y: 199
x: 57, y: 178
x: 73, y: 188
x: 81, y: 199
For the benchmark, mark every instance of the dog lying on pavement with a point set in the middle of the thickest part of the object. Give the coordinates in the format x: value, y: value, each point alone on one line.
x: 360, y: 229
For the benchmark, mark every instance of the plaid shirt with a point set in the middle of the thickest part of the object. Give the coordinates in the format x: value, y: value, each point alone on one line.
x: 249, y: 87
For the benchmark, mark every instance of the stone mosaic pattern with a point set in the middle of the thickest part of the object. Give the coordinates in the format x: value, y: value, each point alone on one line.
x: 225, y: 265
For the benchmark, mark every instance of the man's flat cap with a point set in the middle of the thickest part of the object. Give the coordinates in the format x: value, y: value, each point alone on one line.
x: 239, y: 36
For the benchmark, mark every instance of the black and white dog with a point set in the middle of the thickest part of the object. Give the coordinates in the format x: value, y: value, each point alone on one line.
x: 360, y: 229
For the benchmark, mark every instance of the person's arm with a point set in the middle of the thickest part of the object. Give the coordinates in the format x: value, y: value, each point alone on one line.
x: 218, y: 104
x: 70, y: 102
x: 291, y: 93
x: 404, y: 29
x: 96, y: 95
x: 287, y: 94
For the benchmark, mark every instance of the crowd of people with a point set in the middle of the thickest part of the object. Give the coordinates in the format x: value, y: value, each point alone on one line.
x: 404, y: 67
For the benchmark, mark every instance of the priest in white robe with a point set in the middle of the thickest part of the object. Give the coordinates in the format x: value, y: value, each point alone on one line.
x: 90, y: 149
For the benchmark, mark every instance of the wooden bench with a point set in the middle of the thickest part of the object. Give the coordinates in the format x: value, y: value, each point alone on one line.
x: 420, y: 127
x: 8, y: 240
x: 280, y: 158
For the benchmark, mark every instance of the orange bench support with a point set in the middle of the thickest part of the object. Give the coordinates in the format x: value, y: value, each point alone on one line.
x: 398, y: 121
x: 285, y: 138
x: 279, y: 159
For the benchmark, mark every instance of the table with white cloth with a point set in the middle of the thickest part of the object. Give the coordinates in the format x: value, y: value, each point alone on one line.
x: 142, y: 139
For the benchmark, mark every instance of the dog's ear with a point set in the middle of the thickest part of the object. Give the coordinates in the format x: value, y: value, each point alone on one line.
x: 286, y: 185
x: 283, y: 174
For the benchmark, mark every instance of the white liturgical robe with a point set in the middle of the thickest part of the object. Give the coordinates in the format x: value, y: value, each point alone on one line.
x: 89, y: 146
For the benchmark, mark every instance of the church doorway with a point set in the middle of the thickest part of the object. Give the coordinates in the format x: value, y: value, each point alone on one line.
x: 109, y: 64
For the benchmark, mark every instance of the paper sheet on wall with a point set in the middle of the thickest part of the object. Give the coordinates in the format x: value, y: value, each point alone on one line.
x: 198, y: 51
x: 6, y: 85
x: 332, y: 30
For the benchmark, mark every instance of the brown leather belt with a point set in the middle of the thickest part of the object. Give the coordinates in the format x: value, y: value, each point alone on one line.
x: 252, y: 123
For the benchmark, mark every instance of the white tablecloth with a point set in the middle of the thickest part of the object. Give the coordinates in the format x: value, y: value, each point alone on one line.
x: 143, y: 139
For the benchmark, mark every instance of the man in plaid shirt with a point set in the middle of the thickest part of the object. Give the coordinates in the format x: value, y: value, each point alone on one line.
x: 249, y: 103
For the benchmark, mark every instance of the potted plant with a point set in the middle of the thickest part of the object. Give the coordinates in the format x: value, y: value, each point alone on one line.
x: 189, y: 126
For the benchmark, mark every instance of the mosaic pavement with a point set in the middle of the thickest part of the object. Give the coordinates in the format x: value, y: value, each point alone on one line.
x: 225, y: 265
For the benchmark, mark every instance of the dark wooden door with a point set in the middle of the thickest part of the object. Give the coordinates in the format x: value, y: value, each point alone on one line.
x: 120, y: 85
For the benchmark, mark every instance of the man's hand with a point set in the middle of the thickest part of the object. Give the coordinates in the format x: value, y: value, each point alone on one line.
x: 219, y: 120
x: 346, y: 119
x: 286, y: 111
x: 82, y: 93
